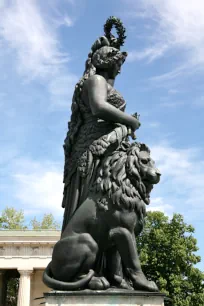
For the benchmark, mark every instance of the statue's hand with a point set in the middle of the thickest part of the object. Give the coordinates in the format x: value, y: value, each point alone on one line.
x: 134, y: 126
x: 131, y: 133
x: 136, y: 115
x: 137, y: 123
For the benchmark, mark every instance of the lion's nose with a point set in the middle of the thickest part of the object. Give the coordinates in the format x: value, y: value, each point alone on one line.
x: 158, y: 175
x: 158, y: 172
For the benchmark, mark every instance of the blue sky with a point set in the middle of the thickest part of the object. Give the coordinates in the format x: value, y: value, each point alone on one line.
x: 43, y: 48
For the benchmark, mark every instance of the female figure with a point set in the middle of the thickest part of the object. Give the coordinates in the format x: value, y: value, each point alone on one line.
x: 106, y: 184
x: 97, y: 111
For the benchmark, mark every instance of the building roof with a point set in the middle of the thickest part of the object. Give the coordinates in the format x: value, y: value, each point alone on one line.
x: 29, y: 233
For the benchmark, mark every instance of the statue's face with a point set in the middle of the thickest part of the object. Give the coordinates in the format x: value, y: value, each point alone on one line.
x: 115, y: 69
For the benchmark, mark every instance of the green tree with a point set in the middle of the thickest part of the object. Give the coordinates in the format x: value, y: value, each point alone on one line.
x: 48, y: 222
x: 12, y: 291
x: 12, y: 219
x: 167, y: 253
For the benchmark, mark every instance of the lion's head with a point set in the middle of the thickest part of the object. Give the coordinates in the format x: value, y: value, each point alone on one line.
x: 127, y: 176
x: 142, y: 170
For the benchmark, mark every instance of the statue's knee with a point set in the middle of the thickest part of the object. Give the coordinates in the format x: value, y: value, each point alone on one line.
x: 89, y: 242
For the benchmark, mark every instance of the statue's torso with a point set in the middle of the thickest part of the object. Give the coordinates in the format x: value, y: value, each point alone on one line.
x: 90, y: 132
x: 113, y: 97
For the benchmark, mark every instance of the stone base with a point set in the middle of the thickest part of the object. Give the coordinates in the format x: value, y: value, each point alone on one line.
x: 111, y: 297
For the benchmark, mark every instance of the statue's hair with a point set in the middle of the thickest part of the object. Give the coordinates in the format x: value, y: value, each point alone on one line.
x: 102, y: 56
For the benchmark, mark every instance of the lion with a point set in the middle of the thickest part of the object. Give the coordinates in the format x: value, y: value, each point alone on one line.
x: 103, y: 228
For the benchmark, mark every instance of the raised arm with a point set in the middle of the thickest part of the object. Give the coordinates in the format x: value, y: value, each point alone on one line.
x: 97, y: 93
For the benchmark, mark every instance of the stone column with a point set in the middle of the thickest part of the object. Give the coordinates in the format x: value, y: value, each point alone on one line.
x: 24, y: 288
x: 2, y: 287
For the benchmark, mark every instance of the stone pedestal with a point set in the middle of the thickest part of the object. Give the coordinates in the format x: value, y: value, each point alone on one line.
x: 103, y: 298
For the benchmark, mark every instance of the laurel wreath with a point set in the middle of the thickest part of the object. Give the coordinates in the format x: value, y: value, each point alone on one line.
x: 120, y: 29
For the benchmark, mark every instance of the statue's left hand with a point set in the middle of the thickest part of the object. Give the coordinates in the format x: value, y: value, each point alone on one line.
x: 132, y: 134
x: 136, y: 115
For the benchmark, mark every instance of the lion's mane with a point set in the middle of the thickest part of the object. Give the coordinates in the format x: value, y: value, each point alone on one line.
x: 119, y: 179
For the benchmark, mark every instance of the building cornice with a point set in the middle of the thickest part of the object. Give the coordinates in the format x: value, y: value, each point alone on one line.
x: 42, y: 237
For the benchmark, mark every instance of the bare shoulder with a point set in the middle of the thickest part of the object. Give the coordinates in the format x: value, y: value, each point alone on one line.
x: 96, y: 81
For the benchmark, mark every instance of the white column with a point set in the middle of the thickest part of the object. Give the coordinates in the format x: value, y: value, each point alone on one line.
x: 2, y: 287
x: 24, y: 288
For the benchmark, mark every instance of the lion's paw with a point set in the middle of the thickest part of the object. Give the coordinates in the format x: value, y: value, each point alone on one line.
x: 141, y: 283
x: 120, y: 283
x: 125, y: 285
x: 98, y: 283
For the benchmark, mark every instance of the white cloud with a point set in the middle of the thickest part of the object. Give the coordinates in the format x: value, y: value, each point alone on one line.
x: 150, y: 54
x: 29, y: 33
x: 158, y: 204
x: 176, y: 25
x: 182, y: 180
x: 153, y: 124
x: 171, y: 104
x: 38, y: 186
x: 64, y: 21
x: 184, y: 69
x: 24, y: 29
x: 61, y: 89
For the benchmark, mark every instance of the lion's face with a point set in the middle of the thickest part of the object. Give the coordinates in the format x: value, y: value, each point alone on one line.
x: 143, y: 172
x: 127, y: 176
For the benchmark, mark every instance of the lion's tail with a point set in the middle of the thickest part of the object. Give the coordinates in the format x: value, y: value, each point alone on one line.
x: 59, y: 285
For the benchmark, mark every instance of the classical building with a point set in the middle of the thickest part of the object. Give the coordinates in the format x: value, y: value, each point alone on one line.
x: 25, y: 254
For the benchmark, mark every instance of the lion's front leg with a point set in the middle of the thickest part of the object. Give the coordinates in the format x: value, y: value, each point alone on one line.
x: 126, y: 245
x: 115, y: 269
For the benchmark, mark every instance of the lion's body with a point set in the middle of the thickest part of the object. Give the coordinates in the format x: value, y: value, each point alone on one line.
x: 107, y: 221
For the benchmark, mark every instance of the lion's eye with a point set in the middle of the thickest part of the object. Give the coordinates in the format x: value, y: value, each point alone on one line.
x: 145, y: 161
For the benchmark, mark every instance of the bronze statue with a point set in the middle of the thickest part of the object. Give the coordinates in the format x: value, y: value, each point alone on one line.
x: 107, y: 182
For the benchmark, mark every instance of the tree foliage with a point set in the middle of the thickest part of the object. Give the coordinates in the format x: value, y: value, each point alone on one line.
x: 12, y: 292
x: 48, y: 222
x: 12, y: 219
x: 167, y: 252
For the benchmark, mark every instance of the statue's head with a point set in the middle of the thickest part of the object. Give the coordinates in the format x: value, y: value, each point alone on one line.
x: 105, y: 53
x: 109, y: 59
